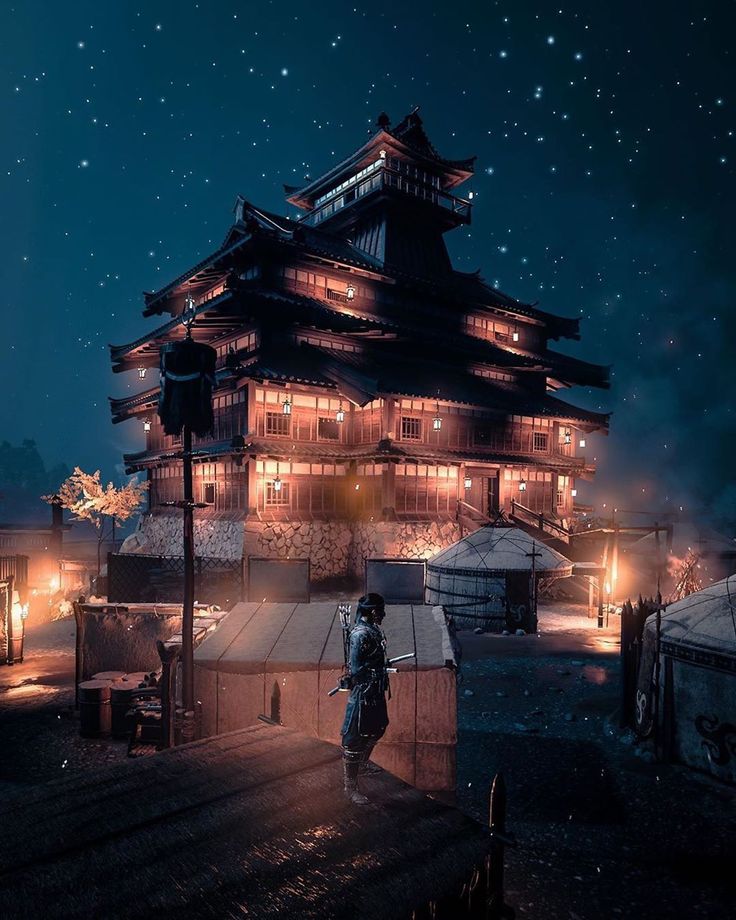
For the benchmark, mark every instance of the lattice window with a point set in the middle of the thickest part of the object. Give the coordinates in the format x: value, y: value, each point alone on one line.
x: 411, y: 428
x: 278, y: 424
x: 561, y: 496
x: 278, y: 498
x: 540, y: 440
x: 328, y: 429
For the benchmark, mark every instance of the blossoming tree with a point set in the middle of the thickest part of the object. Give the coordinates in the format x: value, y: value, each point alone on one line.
x: 84, y: 495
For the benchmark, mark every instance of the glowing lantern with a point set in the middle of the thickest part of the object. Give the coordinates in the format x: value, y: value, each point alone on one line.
x: 189, y: 313
x: 277, y: 480
x: 147, y: 424
x: 141, y: 372
x: 340, y: 414
x: 522, y: 485
x: 515, y: 335
x: 437, y: 420
x: 19, y: 613
x: 568, y: 436
x: 468, y: 482
x: 350, y: 291
x: 286, y: 407
x: 574, y: 493
x: 582, y: 442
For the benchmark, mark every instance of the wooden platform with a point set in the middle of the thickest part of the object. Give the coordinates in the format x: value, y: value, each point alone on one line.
x: 248, y: 824
x: 280, y: 660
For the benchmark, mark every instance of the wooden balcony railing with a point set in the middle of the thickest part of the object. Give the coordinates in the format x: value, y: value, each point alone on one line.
x: 385, y: 177
x: 537, y: 519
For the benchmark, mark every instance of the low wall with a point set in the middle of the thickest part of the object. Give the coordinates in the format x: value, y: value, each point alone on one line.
x: 116, y: 638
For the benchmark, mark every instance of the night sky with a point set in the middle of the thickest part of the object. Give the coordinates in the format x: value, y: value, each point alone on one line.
x: 605, y: 189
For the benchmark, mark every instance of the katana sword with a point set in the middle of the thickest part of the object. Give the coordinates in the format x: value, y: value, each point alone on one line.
x: 345, y: 689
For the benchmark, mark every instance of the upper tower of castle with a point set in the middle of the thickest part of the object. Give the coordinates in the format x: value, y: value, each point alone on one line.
x: 393, y: 198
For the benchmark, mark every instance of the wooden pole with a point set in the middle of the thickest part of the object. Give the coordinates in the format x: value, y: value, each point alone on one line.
x: 627, y: 614
x: 655, y: 692
x: 78, y: 650
x: 500, y: 838
x: 668, y: 712
x: 187, y: 624
x: 169, y: 656
x: 9, y: 620
x: 591, y: 596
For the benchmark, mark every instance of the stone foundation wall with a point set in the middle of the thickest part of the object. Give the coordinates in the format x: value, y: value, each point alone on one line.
x: 325, y: 543
x: 161, y: 535
x: 338, y: 548
x: 334, y: 548
x: 400, y: 539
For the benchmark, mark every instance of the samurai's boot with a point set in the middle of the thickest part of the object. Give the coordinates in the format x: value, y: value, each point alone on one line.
x: 351, y: 768
x: 367, y: 767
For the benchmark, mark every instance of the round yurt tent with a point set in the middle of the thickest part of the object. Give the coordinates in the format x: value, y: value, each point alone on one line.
x: 485, y: 579
x: 695, y: 683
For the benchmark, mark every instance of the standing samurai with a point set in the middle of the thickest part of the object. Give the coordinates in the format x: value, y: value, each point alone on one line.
x: 366, y: 717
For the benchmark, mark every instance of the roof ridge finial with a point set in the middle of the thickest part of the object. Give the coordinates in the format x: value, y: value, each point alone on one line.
x: 383, y: 122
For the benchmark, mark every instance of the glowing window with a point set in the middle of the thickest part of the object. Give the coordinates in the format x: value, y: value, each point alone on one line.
x: 411, y: 428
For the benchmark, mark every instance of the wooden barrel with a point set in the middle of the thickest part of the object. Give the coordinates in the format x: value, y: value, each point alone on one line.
x: 94, y: 708
x: 120, y: 694
x: 136, y: 677
x: 15, y: 650
x: 109, y: 675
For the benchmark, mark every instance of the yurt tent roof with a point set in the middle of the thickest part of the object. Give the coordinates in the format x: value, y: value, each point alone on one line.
x: 705, y: 620
x: 497, y: 550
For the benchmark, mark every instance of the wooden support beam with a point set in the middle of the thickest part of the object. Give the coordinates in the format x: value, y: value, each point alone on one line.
x: 388, y: 491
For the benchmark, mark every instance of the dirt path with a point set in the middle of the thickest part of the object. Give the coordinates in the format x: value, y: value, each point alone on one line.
x: 38, y: 724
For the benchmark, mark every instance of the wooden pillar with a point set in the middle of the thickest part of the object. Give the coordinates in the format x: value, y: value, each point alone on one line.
x: 252, y: 497
x: 388, y: 418
x: 250, y: 418
x: 388, y: 491
x: 504, y: 496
